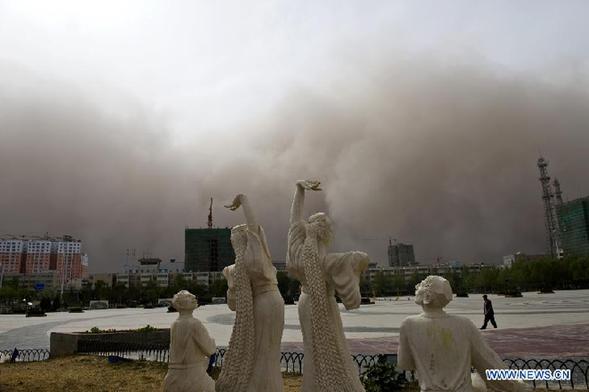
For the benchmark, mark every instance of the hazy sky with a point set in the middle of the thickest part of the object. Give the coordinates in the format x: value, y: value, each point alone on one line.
x: 423, y: 119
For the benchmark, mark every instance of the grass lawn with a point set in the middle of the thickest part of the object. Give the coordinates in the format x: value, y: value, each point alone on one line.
x: 90, y: 373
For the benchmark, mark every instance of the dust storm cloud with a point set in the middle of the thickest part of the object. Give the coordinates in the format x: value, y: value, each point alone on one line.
x: 100, y: 171
x: 435, y: 155
x: 439, y: 156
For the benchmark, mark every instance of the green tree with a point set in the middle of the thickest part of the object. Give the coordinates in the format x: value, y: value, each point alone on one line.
x: 294, y: 287
x: 284, y: 286
x: 9, y: 294
x: 56, y: 303
x: 365, y: 288
x: 382, y: 284
x: 116, y: 293
x: 149, y: 293
x: 180, y: 283
x: 45, y: 304
x: 218, y: 288
x: 399, y: 285
x: 101, y: 290
x: 413, y: 281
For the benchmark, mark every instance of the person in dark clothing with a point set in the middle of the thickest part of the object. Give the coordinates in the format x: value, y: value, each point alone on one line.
x: 489, y: 312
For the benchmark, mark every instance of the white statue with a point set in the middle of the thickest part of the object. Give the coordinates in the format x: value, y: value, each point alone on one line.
x: 327, y: 364
x: 442, y: 347
x: 252, y: 362
x: 190, y: 349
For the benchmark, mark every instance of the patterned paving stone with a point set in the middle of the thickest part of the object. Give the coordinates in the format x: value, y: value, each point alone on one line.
x: 557, y: 341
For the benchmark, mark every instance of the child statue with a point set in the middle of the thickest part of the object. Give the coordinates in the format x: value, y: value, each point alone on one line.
x: 442, y: 347
x: 328, y: 365
x: 252, y: 361
x: 190, y: 349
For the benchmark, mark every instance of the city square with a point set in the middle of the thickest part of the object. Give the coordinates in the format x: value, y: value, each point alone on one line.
x: 279, y: 196
x: 371, y: 328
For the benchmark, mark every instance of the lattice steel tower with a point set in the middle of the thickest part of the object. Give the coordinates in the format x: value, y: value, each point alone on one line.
x: 557, y: 192
x: 549, y: 210
x: 210, y: 217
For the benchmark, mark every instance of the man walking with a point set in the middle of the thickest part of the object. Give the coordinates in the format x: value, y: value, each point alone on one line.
x: 489, y: 312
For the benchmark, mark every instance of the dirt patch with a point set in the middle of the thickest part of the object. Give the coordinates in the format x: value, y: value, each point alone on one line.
x: 89, y: 373
x: 81, y: 373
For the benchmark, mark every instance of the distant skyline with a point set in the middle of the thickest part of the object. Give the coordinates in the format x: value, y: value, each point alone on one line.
x: 423, y: 120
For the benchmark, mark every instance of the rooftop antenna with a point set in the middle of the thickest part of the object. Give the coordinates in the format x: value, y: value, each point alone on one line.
x: 210, y: 220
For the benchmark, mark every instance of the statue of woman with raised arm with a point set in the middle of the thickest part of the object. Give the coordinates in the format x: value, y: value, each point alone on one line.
x: 252, y: 361
x: 328, y: 365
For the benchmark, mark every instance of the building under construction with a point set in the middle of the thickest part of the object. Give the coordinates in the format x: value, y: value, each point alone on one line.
x: 573, y: 221
x: 400, y: 255
x: 207, y: 249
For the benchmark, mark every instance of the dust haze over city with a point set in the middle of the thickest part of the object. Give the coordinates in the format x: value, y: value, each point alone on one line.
x: 423, y: 121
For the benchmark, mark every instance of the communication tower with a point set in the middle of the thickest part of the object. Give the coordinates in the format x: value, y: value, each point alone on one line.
x: 557, y: 192
x: 210, y: 220
x: 550, y: 221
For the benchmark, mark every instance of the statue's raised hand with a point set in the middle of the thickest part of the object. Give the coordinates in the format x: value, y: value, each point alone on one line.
x: 236, y: 203
x: 310, y: 185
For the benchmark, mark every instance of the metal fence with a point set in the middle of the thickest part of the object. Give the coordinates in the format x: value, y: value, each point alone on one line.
x: 292, y: 362
x: 132, y: 350
x: 24, y: 355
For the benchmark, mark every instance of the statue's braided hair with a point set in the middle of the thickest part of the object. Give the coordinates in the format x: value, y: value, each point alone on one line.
x: 238, y: 362
x: 330, y: 370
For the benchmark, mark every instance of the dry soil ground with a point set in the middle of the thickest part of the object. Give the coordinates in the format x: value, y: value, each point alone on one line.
x: 88, y: 373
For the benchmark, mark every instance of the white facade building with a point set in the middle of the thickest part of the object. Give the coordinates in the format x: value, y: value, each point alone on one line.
x: 408, y: 272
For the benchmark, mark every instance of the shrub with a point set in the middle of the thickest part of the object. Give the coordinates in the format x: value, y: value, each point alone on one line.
x: 147, y: 328
x: 383, y: 377
x: 98, y: 330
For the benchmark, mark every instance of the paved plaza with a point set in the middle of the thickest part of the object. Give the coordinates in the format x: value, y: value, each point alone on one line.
x: 536, y: 324
x: 557, y: 341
